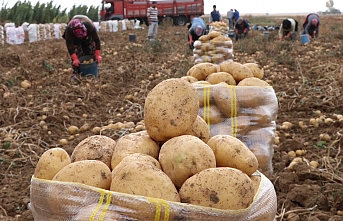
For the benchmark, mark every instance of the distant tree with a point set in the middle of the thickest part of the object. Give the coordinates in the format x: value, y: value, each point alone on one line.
x: 331, y: 10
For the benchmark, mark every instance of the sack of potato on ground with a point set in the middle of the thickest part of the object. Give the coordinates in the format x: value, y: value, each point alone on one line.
x: 214, y: 48
x: 235, y: 100
x: 173, y: 170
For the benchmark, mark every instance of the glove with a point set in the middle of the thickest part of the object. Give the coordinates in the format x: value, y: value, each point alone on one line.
x: 280, y: 39
x: 288, y: 35
x: 75, y: 59
x: 314, y: 34
x: 191, y: 39
x: 309, y: 36
x: 245, y: 31
x: 97, y: 56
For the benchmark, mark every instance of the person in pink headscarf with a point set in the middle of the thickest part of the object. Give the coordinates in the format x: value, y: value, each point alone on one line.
x: 196, y: 29
x: 82, y: 39
x: 311, y: 25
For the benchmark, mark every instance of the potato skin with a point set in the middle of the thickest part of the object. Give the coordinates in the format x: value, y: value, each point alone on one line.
x: 170, y: 109
x: 184, y: 156
x: 211, y: 115
x: 253, y: 81
x: 202, y: 70
x: 96, y: 147
x: 200, y: 129
x: 256, y: 70
x: 90, y: 172
x: 237, y: 70
x: 231, y: 152
x: 225, y: 100
x: 51, y: 162
x: 219, y: 77
x: 222, y: 188
x: 138, y: 142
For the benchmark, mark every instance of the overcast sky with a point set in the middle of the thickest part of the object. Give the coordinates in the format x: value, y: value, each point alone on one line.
x: 243, y: 6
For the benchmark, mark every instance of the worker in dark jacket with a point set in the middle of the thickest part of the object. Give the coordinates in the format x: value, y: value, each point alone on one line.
x: 311, y: 25
x: 196, y: 29
x: 81, y: 39
x: 241, y: 28
x: 288, y: 29
x: 215, y: 15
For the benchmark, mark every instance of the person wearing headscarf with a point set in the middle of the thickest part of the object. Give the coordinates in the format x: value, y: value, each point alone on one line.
x: 81, y: 39
x: 215, y: 15
x: 288, y: 29
x: 311, y: 25
x: 241, y: 28
x: 196, y: 30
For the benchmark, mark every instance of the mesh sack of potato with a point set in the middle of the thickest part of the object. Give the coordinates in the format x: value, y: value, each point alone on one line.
x: 56, y: 200
x: 63, y: 27
x: 104, y: 26
x: 41, y: 32
x: 220, y: 27
x: 245, y: 112
x: 214, y: 48
x: 2, y: 36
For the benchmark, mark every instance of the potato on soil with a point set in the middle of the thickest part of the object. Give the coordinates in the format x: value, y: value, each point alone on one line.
x: 199, y: 129
x: 231, y: 152
x: 183, y: 156
x: 231, y: 189
x: 237, y: 70
x: 90, y: 172
x: 51, y: 161
x: 256, y: 70
x: 144, y: 180
x: 138, y: 142
x: 253, y: 81
x: 170, y: 109
x: 219, y: 77
x: 136, y: 157
x: 96, y: 147
x: 202, y: 70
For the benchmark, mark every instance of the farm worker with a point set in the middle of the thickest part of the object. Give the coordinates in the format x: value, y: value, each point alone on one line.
x: 288, y: 29
x: 241, y: 28
x: 229, y: 18
x: 81, y: 39
x: 311, y: 25
x: 215, y: 15
x: 235, y: 16
x: 152, y: 14
x: 195, y: 29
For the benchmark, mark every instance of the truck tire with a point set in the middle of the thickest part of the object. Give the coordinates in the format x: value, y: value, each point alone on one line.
x: 180, y: 21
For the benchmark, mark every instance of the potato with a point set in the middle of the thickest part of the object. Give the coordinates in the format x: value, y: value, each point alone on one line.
x: 96, y: 147
x: 225, y: 99
x: 251, y: 97
x: 90, y: 172
x: 256, y: 181
x: 219, y: 77
x: 136, y: 157
x: 199, y: 129
x: 231, y: 152
x: 204, y: 38
x: 190, y: 79
x: 256, y: 70
x: 222, y: 188
x: 138, y: 142
x: 144, y: 180
x: 260, y: 116
x: 202, y: 70
x: 51, y: 161
x: 264, y: 156
x: 211, y: 115
x: 202, y: 83
x: 213, y: 34
x: 253, y: 81
x: 170, y: 109
x: 237, y: 70
x: 183, y: 156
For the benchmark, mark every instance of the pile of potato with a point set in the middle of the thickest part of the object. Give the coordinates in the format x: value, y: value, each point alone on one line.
x: 104, y: 26
x: 174, y: 159
x: 88, y: 61
x: 220, y: 27
x: 2, y: 36
x: 214, y: 48
x: 41, y: 32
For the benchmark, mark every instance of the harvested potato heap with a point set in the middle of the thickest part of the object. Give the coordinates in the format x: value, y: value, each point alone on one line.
x: 234, y: 100
x: 88, y: 61
x: 2, y: 36
x: 220, y: 27
x: 172, y: 171
x: 213, y: 48
x: 104, y: 26
x: 63, y: 27
x: 41, y: 32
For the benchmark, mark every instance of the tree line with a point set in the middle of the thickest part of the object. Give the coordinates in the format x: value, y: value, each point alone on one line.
x: 43, y: 13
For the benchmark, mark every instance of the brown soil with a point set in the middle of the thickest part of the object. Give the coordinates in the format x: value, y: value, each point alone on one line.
x: 307, y: 79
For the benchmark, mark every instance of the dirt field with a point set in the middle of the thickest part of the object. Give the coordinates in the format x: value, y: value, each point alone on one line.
x: 308, y: 81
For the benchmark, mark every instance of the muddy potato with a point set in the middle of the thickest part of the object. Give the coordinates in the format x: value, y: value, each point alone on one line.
x: 250, y: 97
x: 256, y: 70
x: 144, y: 180
x: 190, y: 79
x: 211, y: 115
x: 253, y: 81
x: 51, y: 161
x: 219, y: 77
x: 202, y: 70
x: 231, y: 152
x: 231, y: 189
x: 183, y: 156
x: 170, y: 109
x: 90, y: 172
x: 226, y: 101
x: 237, y: 70
x: 96, y: 147
x: 199, y: 129
x: 138, y: 142
x: 256, y: 181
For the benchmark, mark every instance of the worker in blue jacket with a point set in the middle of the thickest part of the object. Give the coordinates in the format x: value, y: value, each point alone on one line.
x: 215, y: 15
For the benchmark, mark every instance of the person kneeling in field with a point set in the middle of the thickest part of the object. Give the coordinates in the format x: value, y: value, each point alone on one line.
x: 288, y: 29
x: 81, y: 39
x: 311, y: 25
x: 241, y: 28
x: 196, y: 29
